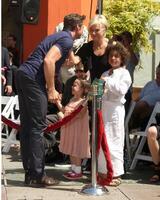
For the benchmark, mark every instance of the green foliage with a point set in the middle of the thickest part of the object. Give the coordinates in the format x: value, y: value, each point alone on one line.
x: 133, y: 16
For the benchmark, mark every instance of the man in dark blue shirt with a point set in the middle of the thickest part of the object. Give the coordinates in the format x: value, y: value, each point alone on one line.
x: 35, y: 87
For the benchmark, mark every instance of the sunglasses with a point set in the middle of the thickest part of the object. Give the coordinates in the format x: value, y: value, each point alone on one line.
x: 79, y: 70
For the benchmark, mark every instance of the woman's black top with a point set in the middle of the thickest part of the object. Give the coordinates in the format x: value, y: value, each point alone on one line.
x: 95, y: 64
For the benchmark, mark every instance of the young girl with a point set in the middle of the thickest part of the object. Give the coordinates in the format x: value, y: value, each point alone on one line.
x: 74, y: 140
x: 117, y: 82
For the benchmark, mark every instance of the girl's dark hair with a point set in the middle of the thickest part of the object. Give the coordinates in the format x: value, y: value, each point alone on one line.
x: 119, y: 47
x: 85, y: 85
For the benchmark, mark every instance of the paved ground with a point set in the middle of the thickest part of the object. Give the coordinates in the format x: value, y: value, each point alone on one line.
x: 135, y: 184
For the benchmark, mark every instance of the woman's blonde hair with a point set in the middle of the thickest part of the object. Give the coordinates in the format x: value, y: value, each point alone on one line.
x: 98, y: 19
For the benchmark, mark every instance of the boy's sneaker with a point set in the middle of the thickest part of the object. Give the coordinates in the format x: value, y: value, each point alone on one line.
x: 73, y: 176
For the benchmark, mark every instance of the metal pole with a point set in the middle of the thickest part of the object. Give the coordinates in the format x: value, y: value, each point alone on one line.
x: 93, y: 188
x: 100, y: 7
x: 94, y: 139
x: 153, y: 55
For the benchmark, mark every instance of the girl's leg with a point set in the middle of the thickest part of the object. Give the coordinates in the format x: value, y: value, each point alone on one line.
x: 76, y: 169
x: 76, y: 163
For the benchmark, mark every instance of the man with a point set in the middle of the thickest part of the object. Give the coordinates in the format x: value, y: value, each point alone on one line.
x: 149, y: 95
x: 33, y: 77
x: 66, y: 70
x: 126, y: 39
x: 11, y: 46
x: 6, y: 72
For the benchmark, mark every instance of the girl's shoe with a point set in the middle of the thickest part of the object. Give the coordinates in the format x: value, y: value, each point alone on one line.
x: 67, y: 174
x: 73, y: 176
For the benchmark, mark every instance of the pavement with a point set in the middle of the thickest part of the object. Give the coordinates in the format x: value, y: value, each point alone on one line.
x: 135, y: 184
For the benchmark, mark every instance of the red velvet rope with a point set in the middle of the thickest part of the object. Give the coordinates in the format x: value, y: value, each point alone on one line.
x: 10, y: 123
x: 102, y: 141
x: 51, y: 127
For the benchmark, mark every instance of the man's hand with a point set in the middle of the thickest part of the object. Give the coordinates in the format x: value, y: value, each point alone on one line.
x: 8, y: 89
x: 53, y: 96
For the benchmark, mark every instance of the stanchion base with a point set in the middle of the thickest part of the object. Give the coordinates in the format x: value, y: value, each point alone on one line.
x: 94, y: 191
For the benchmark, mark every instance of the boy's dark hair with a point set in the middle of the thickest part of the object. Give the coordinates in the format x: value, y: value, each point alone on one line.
x: 72, y: 20
x: 117, y: 46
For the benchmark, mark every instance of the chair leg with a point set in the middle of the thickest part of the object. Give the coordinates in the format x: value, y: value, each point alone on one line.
x: 3, y: 172
x: 128, y: 148
x: 11, y: 140
x: 138, y: 153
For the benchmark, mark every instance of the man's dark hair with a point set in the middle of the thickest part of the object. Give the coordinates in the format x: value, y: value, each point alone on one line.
x: 128, y: 35
x: 72, y: 20
x: 13, y: 37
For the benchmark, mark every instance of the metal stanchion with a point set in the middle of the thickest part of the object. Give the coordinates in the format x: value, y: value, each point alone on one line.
x: 93, y: 188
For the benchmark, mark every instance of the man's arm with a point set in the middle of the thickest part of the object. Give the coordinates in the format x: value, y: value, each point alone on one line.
x: 72, y: 59
x: 50, y: 59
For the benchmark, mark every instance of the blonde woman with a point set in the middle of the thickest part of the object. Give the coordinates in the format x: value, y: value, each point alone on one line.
x: 93, y: 53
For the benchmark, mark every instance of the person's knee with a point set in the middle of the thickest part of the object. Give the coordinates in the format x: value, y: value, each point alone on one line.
x: 152, y: 133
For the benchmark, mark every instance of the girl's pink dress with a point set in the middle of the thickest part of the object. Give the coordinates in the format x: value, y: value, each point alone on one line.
x: 74, y: 138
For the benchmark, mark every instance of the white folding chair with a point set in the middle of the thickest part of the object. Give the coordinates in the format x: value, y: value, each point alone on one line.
x: 143, y: 134
x: 12, y: 135
x: 127, y: 136
x: 7, y: 111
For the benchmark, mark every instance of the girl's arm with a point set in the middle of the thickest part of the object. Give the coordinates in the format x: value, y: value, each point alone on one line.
x: 60, y: 106
x: 61, y: 109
